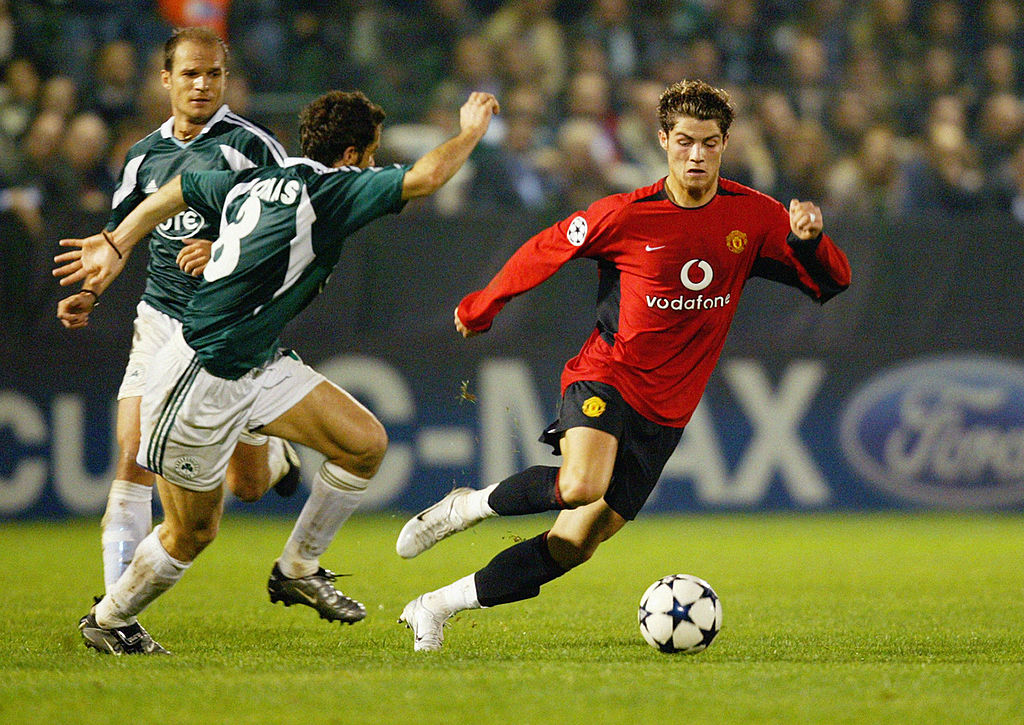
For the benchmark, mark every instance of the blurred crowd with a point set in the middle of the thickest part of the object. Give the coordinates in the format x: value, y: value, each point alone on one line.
x: 877, y: 109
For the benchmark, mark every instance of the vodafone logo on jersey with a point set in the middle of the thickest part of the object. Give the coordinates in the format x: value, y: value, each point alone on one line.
x: 696, y: 275
x: 696, y: 281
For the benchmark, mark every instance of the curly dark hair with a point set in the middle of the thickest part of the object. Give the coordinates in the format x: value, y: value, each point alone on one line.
x: 200, y: 36
x: 695, y: 99
x: 336, y: 121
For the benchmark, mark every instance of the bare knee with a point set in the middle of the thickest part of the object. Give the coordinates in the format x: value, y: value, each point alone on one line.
x: 579, y: 487
x: 365, y: 461
x: 187, y: 544
x: 570, y: 553
x: 244, y: 488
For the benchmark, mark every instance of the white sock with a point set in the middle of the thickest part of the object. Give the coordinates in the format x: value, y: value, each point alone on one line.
x: 126, y: 522
x: 152, y: 572
x: 277, y: 462
x: 453, y: 598
x: 336, y: 494
x: 475, y: 506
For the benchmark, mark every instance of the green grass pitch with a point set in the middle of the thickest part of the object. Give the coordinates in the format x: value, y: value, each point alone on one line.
x: 827, y: 618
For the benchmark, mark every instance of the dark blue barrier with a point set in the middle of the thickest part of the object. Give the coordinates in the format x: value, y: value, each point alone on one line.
x: 906, y: 391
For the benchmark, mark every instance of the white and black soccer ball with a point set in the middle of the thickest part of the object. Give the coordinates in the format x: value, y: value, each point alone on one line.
x: 680, y: 613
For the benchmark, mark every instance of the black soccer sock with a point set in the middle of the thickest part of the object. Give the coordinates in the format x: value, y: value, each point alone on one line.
x: 517, y: 572
x: 532, y: 491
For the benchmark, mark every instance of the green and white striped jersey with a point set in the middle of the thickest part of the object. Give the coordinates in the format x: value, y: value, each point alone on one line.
x: 281, y: 233
x: 227, y: 141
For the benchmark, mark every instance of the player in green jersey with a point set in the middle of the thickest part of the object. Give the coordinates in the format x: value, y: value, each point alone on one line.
x: 281, y: 235
x: 202, y: 133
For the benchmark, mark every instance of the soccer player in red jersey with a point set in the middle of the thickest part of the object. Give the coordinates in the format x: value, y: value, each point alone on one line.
x: 673, y: 258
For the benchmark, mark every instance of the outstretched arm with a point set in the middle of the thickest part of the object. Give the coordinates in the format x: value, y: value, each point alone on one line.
x: 100, y: 258
x: 440, y: 164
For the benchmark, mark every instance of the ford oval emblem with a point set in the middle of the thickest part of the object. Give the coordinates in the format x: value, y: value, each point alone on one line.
x: 941, y: 432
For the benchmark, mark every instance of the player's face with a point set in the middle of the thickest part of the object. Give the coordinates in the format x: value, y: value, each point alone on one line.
x: 694, y: 149
x: 196, y: 81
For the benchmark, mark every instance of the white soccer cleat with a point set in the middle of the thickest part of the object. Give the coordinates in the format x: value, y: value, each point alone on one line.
x: 446, y: 517
x: 427, y: 626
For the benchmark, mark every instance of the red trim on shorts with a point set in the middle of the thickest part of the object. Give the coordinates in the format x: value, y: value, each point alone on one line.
x: 558, y: 494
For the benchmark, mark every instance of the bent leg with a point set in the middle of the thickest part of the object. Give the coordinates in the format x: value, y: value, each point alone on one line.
x: 515, y: 574
x: 191, y: 521
x: 248, y: 476
x: 332, y: 422
x: 577, y: 533
x: 588, y: 458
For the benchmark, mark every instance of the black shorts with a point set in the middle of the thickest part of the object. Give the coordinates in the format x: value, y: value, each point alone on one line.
x: 644, y: 446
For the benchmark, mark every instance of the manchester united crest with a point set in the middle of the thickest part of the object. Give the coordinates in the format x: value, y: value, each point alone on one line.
x: 736, y: 241
x: 593, y: 407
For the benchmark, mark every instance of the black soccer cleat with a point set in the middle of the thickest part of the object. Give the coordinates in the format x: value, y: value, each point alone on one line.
x: 317, y: 592
x: 289, y: 482
x: 131, y: 639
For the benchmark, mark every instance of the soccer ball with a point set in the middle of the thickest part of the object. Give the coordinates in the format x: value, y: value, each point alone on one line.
x: 680, y: 613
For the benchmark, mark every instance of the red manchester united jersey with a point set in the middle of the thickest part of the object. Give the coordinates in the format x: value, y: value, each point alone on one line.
x: 669, y: 282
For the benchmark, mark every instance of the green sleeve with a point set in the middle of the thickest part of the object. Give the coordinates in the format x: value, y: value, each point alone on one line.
x: 349, y: 199
x: 205, y: 191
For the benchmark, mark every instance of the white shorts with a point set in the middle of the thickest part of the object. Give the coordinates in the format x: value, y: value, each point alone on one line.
x: 151, y: 331
x: 191, y: 420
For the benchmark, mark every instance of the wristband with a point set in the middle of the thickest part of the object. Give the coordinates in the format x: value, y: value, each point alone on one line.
x: 95, y: 297
x: 110, y: 241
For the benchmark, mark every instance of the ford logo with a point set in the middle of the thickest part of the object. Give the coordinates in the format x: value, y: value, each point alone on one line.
x: 943, y: 432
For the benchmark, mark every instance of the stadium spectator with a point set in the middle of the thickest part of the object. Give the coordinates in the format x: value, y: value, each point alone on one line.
x: 884, y: 26
x: 804, y: 163
x: 637, y: 130
x: 589, y: 98
x: 510, y: 176
x: 1000, y: 131
x: 84, y: 182
x: 613, y: 25
x: 257, y: 31
x: 28, y: 186
x: 439, y: 26
x: 848, y: 119
x: 19, y: 95
x: 115, y: 90
x: 9, y: 33
x: 866, y: 78
x: 59, y: 94
x: 533, y: 22
x: 944, y: 177
x: 742, y: 39
x: 1000, y: 70
x: 749, y: 161
x: 862, y: 184
x: 703, y: 60
x: 808, y: 87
